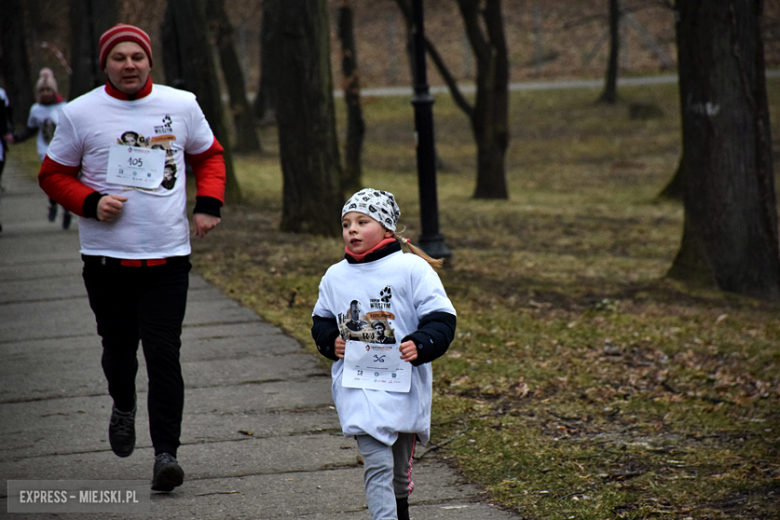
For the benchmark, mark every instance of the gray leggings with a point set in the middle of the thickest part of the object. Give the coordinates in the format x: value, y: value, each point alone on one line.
x: 387, y: 473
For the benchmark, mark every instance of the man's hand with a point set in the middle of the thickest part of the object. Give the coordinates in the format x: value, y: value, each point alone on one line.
x: 204, y: 223
x: 110, y: 207
x: 341, y: 347
x: 408, y: 351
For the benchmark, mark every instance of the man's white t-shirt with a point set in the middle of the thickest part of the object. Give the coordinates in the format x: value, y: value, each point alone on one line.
x: 397, y: 291
x: 153, y: 222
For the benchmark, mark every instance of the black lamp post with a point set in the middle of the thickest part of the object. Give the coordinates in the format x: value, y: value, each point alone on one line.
x: 431, y: 241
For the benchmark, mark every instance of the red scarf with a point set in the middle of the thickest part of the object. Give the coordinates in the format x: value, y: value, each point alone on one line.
x: 114, y: 92
x: 57, y: 99
x: 358, y: 257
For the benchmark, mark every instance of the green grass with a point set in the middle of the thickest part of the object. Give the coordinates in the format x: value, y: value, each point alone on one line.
x: 582, y: 383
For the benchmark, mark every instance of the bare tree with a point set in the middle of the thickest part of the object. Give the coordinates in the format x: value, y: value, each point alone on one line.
x: 264, y: 107
x: 246, y: 137
x: 312, y: 198
x: 610, y: 87
x: 199, y: 75
x: 356, y: 126
x: 171, y: 53
x: 730, y: 236
x: 88, y: 20
x: 15, y: 62
x: 489, y: 113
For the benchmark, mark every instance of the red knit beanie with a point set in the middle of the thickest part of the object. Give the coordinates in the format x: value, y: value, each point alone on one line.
x: 124, y: 33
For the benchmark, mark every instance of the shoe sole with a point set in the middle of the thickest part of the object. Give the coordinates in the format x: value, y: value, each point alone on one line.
x: 169, y: 477
x: 122, y: 454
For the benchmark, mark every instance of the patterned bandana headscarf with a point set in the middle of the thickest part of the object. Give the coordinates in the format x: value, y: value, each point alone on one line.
x: 377, y: 204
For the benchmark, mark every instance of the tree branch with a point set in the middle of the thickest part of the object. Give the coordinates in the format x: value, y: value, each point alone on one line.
x: 448, y: 78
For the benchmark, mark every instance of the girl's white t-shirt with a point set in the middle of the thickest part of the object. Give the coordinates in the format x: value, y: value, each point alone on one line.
x: 396, y: 291
x: 153, y: 222
x: 45, y: 118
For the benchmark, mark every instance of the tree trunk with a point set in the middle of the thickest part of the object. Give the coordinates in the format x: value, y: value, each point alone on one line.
x: 676, y: 187
x: 489, y: 119
x: 89, y: 19
x: 730, y: 238
x: 246, y: 137
x: 610, y: 88
x: 312, y: 198
x: 265, y: 102
x: 16, y: 64
x: 200, y: 76
x: 171, y: 53
x: 33, y: 27
x: 356, y: 126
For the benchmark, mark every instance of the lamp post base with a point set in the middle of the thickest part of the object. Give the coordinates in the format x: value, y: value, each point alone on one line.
x: 434, y: 246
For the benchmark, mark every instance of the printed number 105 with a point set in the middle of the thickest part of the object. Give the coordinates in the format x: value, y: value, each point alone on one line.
x: 133, y: 161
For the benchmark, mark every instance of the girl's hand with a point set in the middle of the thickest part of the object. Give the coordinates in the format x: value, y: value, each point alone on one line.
x: 408, y: 351
x: 341, y: 347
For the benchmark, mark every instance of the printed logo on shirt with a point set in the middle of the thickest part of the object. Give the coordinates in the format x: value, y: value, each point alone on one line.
x: 372, y: 327
x: 166, y: 127
x: 383, y: 302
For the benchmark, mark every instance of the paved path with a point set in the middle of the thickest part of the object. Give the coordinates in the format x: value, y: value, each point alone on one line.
x: 260, y: 435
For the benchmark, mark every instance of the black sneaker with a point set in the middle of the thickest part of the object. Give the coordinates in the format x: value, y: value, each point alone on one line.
x: 167, y: 473
x: 121, y: 432
x: 66, y: 220
x: 52, y: 212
